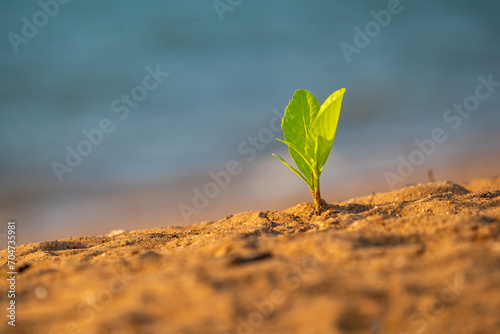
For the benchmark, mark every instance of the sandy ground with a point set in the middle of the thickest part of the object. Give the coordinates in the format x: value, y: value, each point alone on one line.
x: 423, y: 259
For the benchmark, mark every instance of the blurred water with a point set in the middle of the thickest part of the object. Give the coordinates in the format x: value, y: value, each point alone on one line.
x: 225, y: 78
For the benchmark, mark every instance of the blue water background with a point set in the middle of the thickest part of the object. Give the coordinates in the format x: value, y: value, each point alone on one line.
x: 226, y: 77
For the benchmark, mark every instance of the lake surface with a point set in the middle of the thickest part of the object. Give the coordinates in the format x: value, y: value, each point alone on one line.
x: 74, y: 66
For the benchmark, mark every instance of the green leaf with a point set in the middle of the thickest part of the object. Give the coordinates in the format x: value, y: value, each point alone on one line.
x: 325, y: 126
x: 293, y: 148
x: 309, y: 131
x: 299, y: 116
x: 294, y: 170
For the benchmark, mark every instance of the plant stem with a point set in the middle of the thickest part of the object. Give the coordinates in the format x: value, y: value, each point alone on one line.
x: 318, y: 203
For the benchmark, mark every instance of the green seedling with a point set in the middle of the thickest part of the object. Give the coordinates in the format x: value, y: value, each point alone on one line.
x: 309, y: 130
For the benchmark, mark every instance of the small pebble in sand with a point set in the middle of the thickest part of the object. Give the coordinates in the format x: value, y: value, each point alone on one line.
x: 78, y: 245
x: 251, y: 258
x: 115, y: 232
x: 41, y: 292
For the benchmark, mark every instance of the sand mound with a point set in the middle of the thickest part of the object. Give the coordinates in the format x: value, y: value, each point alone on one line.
x: 423, y: 259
